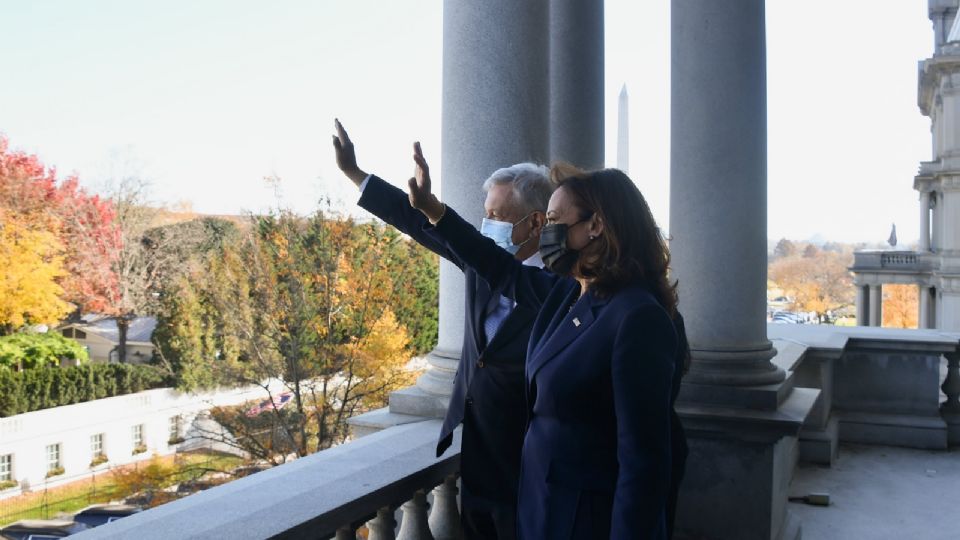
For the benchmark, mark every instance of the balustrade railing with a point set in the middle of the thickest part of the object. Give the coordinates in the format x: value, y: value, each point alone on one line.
x: 899, y: 259
x: 326, y: 495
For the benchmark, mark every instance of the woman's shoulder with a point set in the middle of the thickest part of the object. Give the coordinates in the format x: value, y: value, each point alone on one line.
x: 634, y: 298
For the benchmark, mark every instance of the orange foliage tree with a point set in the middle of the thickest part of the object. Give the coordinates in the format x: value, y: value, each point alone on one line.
x: 816, y: 281
x: 900, y: 306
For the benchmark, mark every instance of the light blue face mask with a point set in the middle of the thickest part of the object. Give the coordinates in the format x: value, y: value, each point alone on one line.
x: 501, y: 232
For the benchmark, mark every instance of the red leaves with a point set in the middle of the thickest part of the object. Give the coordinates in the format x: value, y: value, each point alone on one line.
x: 84, y: 223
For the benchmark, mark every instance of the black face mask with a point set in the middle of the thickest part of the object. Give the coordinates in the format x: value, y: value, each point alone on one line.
x: 557, y: 257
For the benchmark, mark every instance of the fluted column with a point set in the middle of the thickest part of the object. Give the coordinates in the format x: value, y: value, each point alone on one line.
x: 876, y: 305
x: 718, y: 188
x: 924, y: 221
x: 576, y: 82
x: 863, y: 306
x: 495, y: 103
x: 923, y: 294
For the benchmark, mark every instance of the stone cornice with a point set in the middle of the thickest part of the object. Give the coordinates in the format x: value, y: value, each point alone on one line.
x: 929, y: 73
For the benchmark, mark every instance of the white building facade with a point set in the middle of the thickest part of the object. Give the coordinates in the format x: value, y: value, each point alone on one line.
x: 51, y: 447
x: 935, y: 267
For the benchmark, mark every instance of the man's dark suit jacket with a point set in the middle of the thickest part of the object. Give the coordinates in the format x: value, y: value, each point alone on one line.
x: 489, y: 380
x: 598, y: 452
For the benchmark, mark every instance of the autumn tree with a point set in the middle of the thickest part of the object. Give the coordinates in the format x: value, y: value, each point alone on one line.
x: 81, y: 223
x: 33, y: 265
x: 146, y: 257
x: 309, y: 301
x: 900, y: 306
x: 820, y: 282
x: 784, y: 248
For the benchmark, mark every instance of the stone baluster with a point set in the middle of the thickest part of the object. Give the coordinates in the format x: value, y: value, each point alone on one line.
x: 951, y: 386
x: 414, y: 524
x: 382, y: 526
x: 445, y: 517
x: 950, y: 409
x: 347, y: 532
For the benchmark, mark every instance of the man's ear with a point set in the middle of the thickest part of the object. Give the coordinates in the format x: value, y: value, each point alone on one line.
x: 537, y: 220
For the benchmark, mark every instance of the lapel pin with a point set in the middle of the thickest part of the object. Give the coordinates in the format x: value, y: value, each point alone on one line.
x: 576, y: 321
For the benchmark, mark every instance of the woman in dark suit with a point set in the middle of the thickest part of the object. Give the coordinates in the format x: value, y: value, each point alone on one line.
x: 597, y: 454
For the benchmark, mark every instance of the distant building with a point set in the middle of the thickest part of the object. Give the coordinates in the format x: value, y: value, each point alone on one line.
x: 100, y: 336
x: 935, y: 266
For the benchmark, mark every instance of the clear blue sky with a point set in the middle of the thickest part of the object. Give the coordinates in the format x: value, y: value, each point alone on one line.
x: 207, y: 98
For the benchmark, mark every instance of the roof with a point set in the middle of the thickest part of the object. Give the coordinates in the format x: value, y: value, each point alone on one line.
x: 140, y: 330
x: 110, y: 509
x: 49, y: 525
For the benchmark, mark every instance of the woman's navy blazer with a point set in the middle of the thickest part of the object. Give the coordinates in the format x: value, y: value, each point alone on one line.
x: 597, y: 457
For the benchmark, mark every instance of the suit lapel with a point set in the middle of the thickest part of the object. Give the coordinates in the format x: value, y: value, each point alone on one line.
x: 564, y: 329
x: 480, y: 302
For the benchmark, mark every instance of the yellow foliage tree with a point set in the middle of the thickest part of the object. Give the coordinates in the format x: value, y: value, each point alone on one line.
x: 900, y: 306
x: 32, y: 265
x: 818, y: 281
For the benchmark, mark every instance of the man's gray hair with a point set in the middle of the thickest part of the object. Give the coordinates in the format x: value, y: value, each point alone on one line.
x: 531, y: 185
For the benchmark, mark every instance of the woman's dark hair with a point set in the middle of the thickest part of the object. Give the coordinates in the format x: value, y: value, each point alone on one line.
x: 631, y: 249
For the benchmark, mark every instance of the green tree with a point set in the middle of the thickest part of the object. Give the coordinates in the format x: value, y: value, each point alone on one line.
x: 31, y: 351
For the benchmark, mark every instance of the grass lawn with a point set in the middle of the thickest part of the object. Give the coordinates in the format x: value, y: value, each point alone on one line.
x: 104, y: 487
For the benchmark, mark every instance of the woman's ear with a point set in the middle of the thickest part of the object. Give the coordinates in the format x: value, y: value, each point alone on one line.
x: 595, y: 226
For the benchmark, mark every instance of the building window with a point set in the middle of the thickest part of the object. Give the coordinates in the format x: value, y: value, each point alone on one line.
x: 6, y: 468
x: 176, y: 428
x: 96, y: 445
x: 79, y: 334
x: 53, y: 457
x: 139, y: 443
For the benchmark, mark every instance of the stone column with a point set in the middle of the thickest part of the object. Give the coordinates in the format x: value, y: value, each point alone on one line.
x: 576, y: 82
x: 923, y: 293
x: 741, y: 414
x: 924, y: 221
x: 935, y: 237
x: 863, y: 306
x: 876, y: 305
x: 495, y: 105
x: 718, y: 188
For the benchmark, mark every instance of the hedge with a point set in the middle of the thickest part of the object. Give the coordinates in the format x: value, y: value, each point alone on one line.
x: 43, y: 388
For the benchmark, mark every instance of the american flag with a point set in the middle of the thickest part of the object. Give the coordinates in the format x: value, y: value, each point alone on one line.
x: 277, y: 402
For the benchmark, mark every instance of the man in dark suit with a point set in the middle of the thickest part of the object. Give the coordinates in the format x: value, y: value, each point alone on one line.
x: 488, y: 393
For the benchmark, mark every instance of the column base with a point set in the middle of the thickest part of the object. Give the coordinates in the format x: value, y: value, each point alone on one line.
x: 378, y: 420
x: 736, y: 367
x: 739, y: 470
x: 427, y: 399
x: 415, y: 401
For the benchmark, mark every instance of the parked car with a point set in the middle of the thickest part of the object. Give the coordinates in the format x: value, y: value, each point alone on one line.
x: 41, y: 529
x: 100, y: 514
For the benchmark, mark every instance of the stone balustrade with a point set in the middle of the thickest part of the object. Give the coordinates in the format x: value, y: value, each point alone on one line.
x: 899, y: 259
x: 881, y: 260
x: 329, y: 494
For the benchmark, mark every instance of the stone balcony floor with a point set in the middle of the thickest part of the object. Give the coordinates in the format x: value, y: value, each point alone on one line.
x: 882, y: 492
